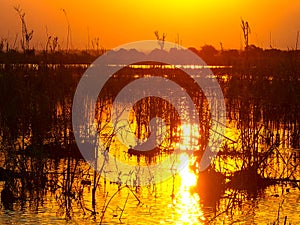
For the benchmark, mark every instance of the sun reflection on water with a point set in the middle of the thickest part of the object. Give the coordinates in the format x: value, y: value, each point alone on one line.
x: 187, y: 202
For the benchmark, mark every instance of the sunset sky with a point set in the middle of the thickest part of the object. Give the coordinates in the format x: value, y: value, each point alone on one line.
x: 115, y: 22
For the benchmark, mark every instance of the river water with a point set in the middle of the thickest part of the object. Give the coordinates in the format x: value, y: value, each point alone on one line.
x: 174, y: 201
x: 66, y: 197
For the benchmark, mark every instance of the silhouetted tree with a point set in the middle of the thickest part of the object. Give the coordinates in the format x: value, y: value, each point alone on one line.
x: 246, y: 31
x: 194, y: 50
x: 26, y: 35
x: 208, y: 50
x: 160, y: 39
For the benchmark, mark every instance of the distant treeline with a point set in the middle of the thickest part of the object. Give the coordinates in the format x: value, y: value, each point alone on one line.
x: 58, y: 57
x: 266, y: 61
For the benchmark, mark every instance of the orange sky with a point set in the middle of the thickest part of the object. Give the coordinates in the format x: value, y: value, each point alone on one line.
x: 197, y: 22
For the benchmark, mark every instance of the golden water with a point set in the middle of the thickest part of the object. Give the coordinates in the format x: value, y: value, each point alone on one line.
x: 170, y: 202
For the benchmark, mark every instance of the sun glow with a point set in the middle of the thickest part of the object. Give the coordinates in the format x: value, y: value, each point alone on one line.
x: 191, y: 22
